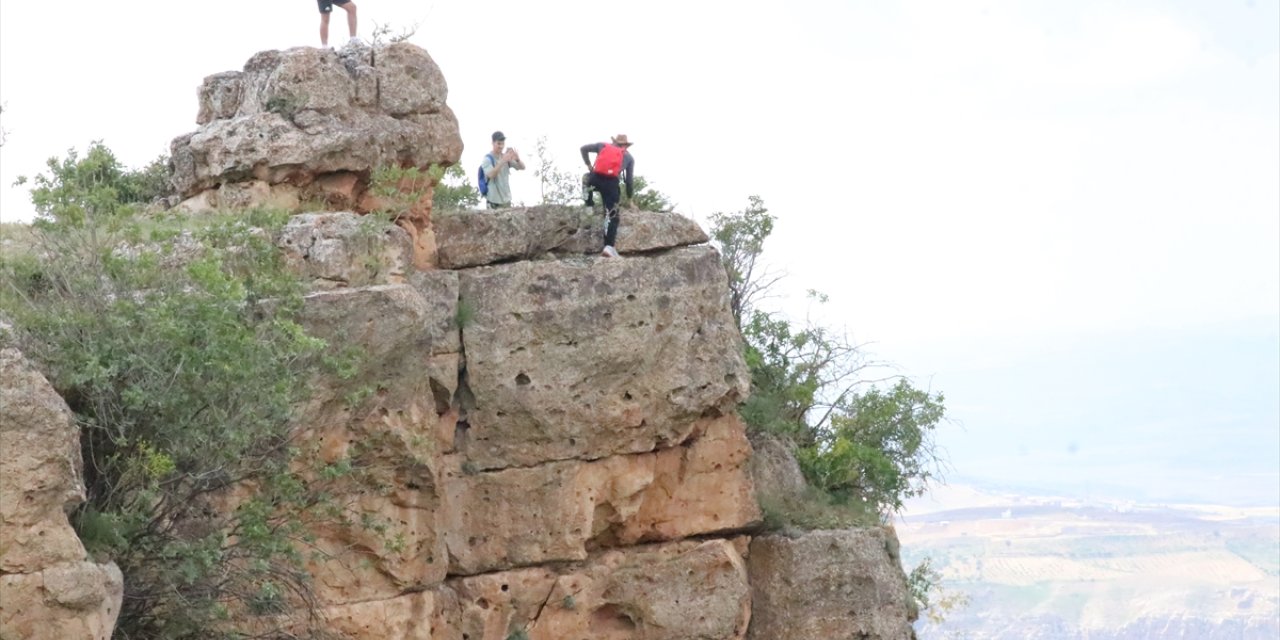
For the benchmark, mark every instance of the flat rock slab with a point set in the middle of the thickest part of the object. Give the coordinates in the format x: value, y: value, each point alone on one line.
x: 470, y: 239
x: 596, y: 357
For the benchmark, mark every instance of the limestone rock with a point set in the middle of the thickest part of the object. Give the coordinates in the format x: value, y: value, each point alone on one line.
x: 775, y: 472
x: 829, y: 585
x: 41, y: 479
x: 700, y: 488
x: 679, y: 591
x: 649, y: 230
x: 345, y: 250
x: 469, y: 239
x: 47, y: 588
x: 562, y: 510
x: 596, y: 357
x: 297, y: 115
x: 396, y: 420
x: 67, y: 601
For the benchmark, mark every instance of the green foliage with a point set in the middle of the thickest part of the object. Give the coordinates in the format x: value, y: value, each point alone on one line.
x: 387, y: 34
x: 814, y: 509
x: 646, y: 197
x: 556, y: 185
x: 879, y: 448
x: 177, y: 347
x: 464, y: 314
x: 149, y: 183
x: 96, y: 187
x: 286, y: 104
x: 925, y: 586
x: 741, y: 237
x: 398, y: 190
x: 857, y: 445
x: 518, y: 634
x: 453, y: 190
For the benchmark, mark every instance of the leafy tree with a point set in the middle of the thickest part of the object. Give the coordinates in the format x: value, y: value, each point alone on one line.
x: 854, y: 442
x: 741, y: 237
x: 453, y: 190
x: 646, y: 197
x: 556, y: 186
x: 879, y: 448
x: 179, y: 351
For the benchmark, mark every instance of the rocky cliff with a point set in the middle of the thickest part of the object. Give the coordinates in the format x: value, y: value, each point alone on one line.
x: 557, y: 431
x: 48, y: 586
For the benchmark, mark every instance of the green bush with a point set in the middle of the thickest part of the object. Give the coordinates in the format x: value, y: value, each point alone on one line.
x: 453, y: 190
x: 878, y: 448
x: 861, y: 448
x: 178, y: 349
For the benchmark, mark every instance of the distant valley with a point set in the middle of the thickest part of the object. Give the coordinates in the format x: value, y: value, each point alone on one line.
x: 1053, y: 567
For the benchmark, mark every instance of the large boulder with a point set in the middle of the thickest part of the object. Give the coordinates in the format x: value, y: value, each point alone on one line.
x: 48, y: 588
x: 592, y: 357
x: 303, y: 115
x: 829, y: 585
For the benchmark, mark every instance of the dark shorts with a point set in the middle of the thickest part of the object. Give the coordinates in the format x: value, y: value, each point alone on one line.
x: 327, y: 5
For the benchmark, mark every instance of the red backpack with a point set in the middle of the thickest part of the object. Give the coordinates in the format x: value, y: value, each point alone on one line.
x: 609, y: 161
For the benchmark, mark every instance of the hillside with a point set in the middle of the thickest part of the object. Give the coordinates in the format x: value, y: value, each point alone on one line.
x: 1043, y: 567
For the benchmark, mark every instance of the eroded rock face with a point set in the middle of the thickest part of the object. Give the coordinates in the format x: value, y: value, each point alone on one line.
x: 468, y: 239
x: 679, y: 591
x: 397, y: 419
x: 342, y: 249
x: 303, y: 114
x: 562, y: 510
x: 590, y: 358
x: 829, y: 585
x: 48, y: 589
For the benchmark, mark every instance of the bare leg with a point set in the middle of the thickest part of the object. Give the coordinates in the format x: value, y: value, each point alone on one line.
x: 324, y: 29
x: 351, y: 17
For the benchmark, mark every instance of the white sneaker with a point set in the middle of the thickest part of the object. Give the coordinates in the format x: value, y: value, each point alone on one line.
x: 609, y: 252
x: 356, y: 41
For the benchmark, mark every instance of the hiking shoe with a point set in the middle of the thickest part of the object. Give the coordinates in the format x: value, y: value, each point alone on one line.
x: 355, y: 41
x: 609, y: 252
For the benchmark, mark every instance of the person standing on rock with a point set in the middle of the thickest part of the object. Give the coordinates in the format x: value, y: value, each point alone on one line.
x: 326, y: 7
x: 497, y: 167
x: 613, y: 162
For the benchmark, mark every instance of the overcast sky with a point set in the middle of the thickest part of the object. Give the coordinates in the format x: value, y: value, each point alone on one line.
x: 949, y: 172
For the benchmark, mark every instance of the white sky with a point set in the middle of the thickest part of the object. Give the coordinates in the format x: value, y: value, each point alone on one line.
x: 941, y: 169
x: 948, y: 172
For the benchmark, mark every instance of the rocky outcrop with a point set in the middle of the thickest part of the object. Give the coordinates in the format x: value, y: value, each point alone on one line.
x: 829, y: 585
x: 48, y: 587
x: 314, y: 119
x: 547, y: 440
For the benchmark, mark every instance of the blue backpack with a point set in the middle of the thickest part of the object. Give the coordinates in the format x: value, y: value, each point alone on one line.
x: 484, y: 181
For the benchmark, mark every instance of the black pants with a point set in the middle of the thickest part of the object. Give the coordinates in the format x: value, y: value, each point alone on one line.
x: 611, y: 193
